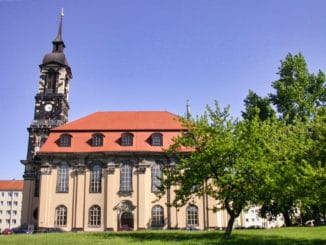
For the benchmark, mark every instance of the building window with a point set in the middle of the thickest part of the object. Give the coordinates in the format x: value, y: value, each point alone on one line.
x: 8, y: 212
x: 157, y: 176
x: 192, y: 216
x: 157, y: 139
x: 63, y: 178
x: 15, y: 203
x: 97, y: 140
x: 126, y: 177
x: 13, y: 221
x: 9, y: 194
x: 8, y: 203
x: 51, y: 79
x: 14, y: 212
x: 2, y: 194
x: 94, y: 216
x: 0, y: 221
x: 0, y: 211
x: 8, y: 221
x: 65, y: 140
x: 60, y: 216
x: 1, y: 203
x: 157, y: 216
x: 126, y: 139
x: 16, y: 194
x: 96, y: 179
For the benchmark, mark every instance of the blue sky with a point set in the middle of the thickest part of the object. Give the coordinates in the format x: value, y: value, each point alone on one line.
x: 149, y: 55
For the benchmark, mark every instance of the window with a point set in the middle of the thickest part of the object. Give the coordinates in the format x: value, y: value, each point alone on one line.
x: 62, y: 178
x: 60, y: 216
x: 51, y: 79
x: 15, y: 203
x: 13, y: 221
x: 14, y: 212
x: 157, y: 139
x: 9, y: 203
x: 16, y: 194
x: 126, y: 177
x: 96, y: 179
x: 97, y: 140
x: 65, y: 140
x: 94, y: 216
x: 2, y: 194
x: 0, y: 221
x: 1, y: 203
x: 8, y: 221
x: 157, y: 216
x: 8, y: 212
x: 126, y: 139
x: 9, y: 194
x: 192, y: 216
x: 157, y: 176
x: 0, y: 211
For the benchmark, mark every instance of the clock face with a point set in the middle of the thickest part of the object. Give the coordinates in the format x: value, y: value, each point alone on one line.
x: 48, y: 107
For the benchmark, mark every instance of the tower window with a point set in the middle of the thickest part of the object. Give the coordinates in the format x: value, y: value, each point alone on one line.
x: 126, y: 139
x: 50, y: 83
x: 157, y: 139
x: 97, y: 140
x: 65, y: 140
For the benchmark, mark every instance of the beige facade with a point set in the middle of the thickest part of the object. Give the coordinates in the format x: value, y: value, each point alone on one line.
x: 118, y: 210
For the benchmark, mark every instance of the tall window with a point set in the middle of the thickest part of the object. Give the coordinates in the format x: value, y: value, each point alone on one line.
x: 65, y: 140
x: 192, y: 216
x: 126, y: 139
x: 97, y: 140
x: 157, y: 176
x: 157, y: 216
x: 94, y: 216
x: 62, y: 178
x: 157, y: 139
x: 126, y: 177
x: 51, y: 80
x: 96, y: 179
x: 60, y: 216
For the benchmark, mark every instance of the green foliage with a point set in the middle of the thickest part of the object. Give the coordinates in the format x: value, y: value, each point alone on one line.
x: 298, y: 92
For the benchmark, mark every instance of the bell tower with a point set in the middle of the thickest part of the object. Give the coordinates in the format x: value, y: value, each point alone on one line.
x: 51, y: 100
x: 51, y: 110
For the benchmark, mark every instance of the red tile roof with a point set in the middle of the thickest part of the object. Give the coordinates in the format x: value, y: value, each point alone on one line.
x: 112, y: 124
x: 125, y: 121
x: 15, y: 185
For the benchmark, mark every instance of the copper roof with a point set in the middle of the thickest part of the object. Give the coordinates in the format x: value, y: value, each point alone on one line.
x: 11, y: 185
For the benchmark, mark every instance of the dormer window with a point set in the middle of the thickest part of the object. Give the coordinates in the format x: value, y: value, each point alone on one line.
x: 157, y: 139
x: 65, y: 140
x: 97, y: 140
x: 127, y: 139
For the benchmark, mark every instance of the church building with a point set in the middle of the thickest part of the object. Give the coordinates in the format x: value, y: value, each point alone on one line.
x: 102, y: 171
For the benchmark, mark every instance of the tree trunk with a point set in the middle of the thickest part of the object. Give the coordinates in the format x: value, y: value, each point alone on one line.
x: 316, y: 215
x: 228, y: 230
x: 287, y: 219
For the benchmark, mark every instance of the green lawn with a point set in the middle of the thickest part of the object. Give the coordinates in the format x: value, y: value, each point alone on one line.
x: 293, y: 235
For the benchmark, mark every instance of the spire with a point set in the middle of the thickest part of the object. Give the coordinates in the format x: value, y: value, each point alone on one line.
x: 188, y: 114
x: 58, y: 44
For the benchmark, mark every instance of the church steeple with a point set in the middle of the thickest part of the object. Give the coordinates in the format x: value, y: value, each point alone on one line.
x: 58, y: 44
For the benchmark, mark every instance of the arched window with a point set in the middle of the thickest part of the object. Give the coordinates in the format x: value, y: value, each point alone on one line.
x: 157, y: 139
x: 126, y: 139
x: 65, y: 140
x: 94, y: 216
x: 97, y: 140
x: 50, y: 83
x: 60, y: 216
x: 96, y: 179
x: 63, y: 178
x: 126, y: 177
x: 157, y: 176
x: 192, y: 216
x: 157, y: 216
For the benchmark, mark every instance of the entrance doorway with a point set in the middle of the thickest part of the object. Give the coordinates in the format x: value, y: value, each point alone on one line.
x: 126, y: 221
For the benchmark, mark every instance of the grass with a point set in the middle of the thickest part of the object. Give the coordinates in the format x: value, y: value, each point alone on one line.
x: 292, y: 235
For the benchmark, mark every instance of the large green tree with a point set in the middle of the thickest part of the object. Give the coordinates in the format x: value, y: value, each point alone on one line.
x: 223, y: 161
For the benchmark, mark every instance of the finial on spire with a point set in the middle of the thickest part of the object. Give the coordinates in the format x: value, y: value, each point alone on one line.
x: 62, y: 13
x: 58, y: 43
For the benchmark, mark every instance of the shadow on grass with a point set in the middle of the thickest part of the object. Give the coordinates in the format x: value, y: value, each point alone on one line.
x: 203, y: 237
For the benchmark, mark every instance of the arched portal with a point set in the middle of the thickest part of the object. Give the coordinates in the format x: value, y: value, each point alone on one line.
x: 126, y: 221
